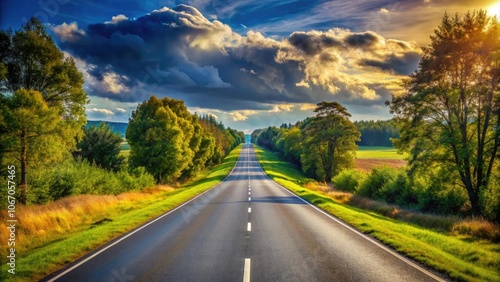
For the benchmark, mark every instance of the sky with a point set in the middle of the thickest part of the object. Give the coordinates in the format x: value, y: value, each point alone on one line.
x: 249, y: 63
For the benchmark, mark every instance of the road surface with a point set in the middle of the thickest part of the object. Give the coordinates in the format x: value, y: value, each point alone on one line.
x: 247, y: 228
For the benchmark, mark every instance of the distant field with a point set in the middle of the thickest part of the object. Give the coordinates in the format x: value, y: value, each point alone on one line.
x: 368, y: 157
x: 124, y: 146
x: 373, y: 152
x: 125, y: 149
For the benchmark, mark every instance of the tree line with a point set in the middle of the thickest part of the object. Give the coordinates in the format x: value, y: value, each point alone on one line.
x: 173, y: 144
x: 43, y: 132
x: 376, y: 133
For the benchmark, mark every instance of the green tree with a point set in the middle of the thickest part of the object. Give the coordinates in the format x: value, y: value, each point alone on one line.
x: 448, y: 118
x: 100, y: 145
x: 329, y: 139
x: 28, y: 127
x: 157, y: 139
x: 32, y: 61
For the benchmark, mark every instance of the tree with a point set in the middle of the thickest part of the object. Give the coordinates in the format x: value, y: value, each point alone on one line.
x: 157, y: 140
x: 30, y: 62
x: 449, y: 116
x: 100, y: 145
x: 28, y: 126
x: 329, y: 139
x: 29, y: 59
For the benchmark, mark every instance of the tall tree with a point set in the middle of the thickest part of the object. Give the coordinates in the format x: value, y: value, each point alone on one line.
x: 28, y: 125
x: 32, y: 61
x: 331, y: 137
x: 160, y: 139
x: 101, y: 145
x: 449, y: 116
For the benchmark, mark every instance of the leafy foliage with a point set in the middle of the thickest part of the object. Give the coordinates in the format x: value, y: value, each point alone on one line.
x: 101, y: 145
x: 449, y: 117
x: 76, y: 177
x: 172, y: 144
x: 29, y: 126
x: 322, y: 146
x: 43, y: 102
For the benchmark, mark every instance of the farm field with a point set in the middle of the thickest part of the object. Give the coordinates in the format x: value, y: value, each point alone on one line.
x: 368, y: 157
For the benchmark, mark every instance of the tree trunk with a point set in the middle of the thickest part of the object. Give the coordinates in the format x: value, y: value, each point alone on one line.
x: 474, y: 202
x: 24, y: 170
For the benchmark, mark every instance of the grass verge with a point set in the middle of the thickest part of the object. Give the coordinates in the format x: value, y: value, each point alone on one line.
x: 459, y: 257
x: 74, y: 227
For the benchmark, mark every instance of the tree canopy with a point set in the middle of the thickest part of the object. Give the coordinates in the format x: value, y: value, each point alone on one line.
x: 100, y: 145
x: 171, y: 143
x: 322, y: 145
x: 42, y: 96
x: 448, y: 118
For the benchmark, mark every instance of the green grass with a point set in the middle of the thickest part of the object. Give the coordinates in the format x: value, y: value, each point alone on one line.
x: 460, y: 258
x: 377, y: 152
x: 39, y: 262
x: 125, y: 149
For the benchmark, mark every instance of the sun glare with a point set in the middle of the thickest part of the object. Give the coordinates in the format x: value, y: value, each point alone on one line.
x: 494, y: 10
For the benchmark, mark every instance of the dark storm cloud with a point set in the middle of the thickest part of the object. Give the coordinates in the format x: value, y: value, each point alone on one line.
x: 363, y: 39
x: 402, y: 65
x: 312, y: 45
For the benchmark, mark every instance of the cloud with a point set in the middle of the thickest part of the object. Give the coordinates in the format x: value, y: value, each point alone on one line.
x: 308, y: 107
x: 68, y: 32
x: 121, y: 110
x: 117, y: 19
x: 238, y: 117
x: 179, y: 53
x: 282, y: 108
x: 102, y: 111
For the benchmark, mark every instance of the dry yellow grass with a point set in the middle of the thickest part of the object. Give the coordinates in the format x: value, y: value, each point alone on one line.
x: 478, y: 228
x: 39, y: 223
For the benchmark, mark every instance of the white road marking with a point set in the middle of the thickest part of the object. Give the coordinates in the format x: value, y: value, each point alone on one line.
x: 249, y: 193
x: 249, y: 226
x: 246, y: 271
x: 249, y: 199
x: 249, y: 210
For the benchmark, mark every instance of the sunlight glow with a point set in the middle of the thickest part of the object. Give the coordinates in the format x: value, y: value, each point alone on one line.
x: 494, y: 10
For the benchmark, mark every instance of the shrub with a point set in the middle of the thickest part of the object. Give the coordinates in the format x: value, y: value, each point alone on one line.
x: 348, y: 180
x: 478, y: 228
x: 374, y: 182
x: 79, y: 177
x: 399, y: 191
x: 441, y: 198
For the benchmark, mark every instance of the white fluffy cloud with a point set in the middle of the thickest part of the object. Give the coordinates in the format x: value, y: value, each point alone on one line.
x: 102, y: 111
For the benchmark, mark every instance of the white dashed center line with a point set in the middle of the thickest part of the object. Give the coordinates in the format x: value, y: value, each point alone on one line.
x: 246, y: 271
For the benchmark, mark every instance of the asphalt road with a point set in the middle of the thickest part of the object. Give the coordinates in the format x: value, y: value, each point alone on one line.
x: 246, y: 228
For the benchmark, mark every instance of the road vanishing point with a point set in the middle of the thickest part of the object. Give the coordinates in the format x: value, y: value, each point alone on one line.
x: 247, y: 228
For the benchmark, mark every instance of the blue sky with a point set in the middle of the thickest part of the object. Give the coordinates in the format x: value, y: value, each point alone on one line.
x: 250, y: 63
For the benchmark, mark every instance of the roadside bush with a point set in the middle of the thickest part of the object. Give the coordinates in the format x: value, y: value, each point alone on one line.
x: 373, y: 183
x: 79, y: 177
x: 348, y: 180
x: 439, y: 198
x: 399, y: 191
